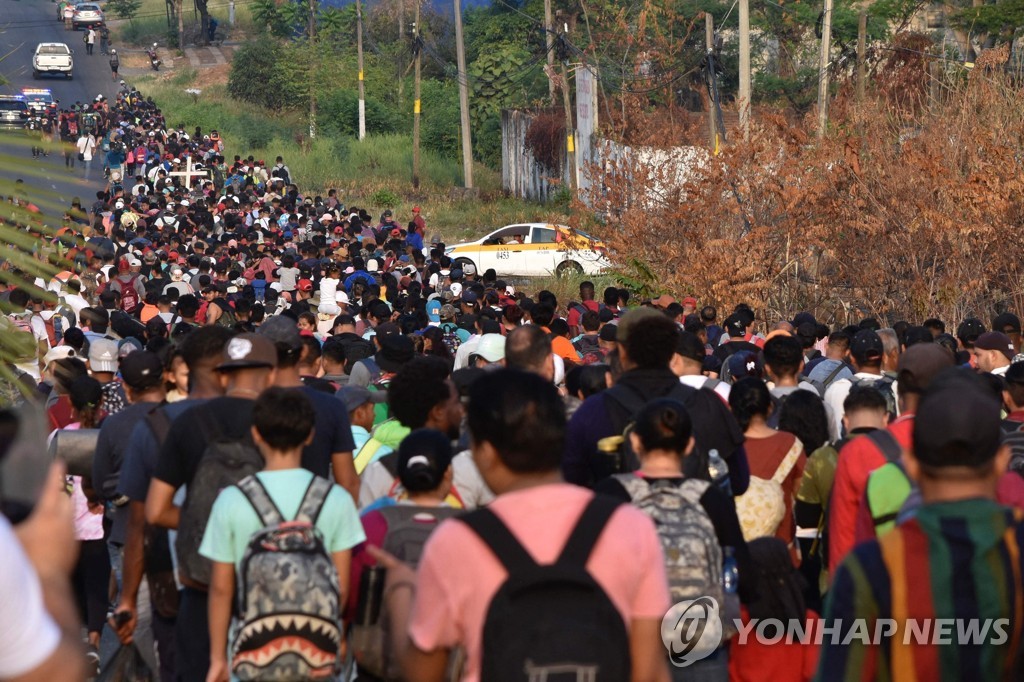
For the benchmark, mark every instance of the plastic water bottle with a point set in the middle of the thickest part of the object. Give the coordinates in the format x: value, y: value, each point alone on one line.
x: 730, y: 572
x: 719, y: 471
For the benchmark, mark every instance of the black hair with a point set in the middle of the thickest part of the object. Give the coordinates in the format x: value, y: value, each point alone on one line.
x: 708, y: 313
x: 864, y: 398
x: 86, y: 395
x: 748, y: 398
x: 651, y: 341
x: 204, y: 344
x: 419, y: 387
x: 803, y: 415
x: 66, y: 370
x: 780, y: 586
x: 284, y: 417
x: 542, y: 314
x: 839, y: 339
x: 527, y: 348
x: 590, y: 379
x: 784, y: 354
x: 590, y: 321
x: 522, y: 416
x: 611, y: 296
x: 334, y: 350
x: 188, y: 305
x: 933, y: 323
x: 423, y: 458
x: 664, y: 424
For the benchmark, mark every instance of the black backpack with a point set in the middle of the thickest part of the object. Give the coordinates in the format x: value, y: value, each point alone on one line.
x: 553, y: 620
x: 225, y: 462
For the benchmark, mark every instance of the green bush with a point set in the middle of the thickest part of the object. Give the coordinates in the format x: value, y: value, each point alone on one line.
x: 385, y: 198
x: 439, y: 120
x: 257, y: 76
x: 339, y: 114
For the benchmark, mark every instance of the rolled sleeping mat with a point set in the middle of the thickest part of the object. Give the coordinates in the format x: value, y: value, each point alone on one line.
x: 77, y: 448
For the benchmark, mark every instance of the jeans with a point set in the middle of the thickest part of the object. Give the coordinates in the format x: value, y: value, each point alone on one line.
x: 166, y: 649
x: 714, y: 668
x: 192, y: 636
x: 88, y: 166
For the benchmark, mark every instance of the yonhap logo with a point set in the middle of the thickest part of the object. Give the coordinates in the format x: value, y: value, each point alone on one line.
x: 691, y: 630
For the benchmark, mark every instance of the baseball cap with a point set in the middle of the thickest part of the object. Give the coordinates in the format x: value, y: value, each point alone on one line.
x: 456, y: 290
x: 282, y: 330
x: 355, y: 396
x: 142, y: 369
x: 734, y: 326
x: 866, y: 344
x: 969, y: 330
x: 447, y: 312
x: 468, y: 269
x: 58, y: 353
x: 996, y: 341
x: 689, y: 346
x: 957, y: 422
x: 921, y: 363
x: 386, y: 329
x: 103, y: 355
x: 1008, y: 323
x: 609, y: 332
x: 690, y: 300
x: 745, y: 364
x: 248, y: 350
x: 304, y: 285
x: 434, y: 310
x: 491, y: 347
x: 469, y: 298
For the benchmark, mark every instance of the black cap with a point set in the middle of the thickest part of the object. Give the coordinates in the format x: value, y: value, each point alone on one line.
x: 395, y: 351
x: 969, y: 330
x: 1007, y: 323
x: 734, y: 326
x: 957, y: 422
x: 866, y: 345
x: 282, y: 330
x: 689, y: 346
x: 141, y: 369
x: 609, y: 332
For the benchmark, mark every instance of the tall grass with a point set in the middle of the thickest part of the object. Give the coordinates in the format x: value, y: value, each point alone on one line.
x: 150, y: 22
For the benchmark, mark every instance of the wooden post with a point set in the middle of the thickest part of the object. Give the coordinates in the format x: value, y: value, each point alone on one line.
x: 401, y: 36
x: 862, y: 39
x: 314, y: 62
x: 466, y: 132
x: 826, y: 39
x: 549, y: 41
x: 570, y: 139
x: 359, y: 62
x: 745, y: 95
x: 709, y: 40
x: 416, y: 98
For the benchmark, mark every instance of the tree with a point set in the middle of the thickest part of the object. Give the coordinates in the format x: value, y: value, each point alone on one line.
x: 124, y: 9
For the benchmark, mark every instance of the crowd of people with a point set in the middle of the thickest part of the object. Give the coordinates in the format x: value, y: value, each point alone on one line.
x: 321, y: 444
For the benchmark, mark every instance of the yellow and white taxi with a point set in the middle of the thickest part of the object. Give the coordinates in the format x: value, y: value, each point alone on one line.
x: 533, y: 249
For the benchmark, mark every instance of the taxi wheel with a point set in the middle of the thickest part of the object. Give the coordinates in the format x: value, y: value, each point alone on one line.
x: 569, y: 267
x: 461, y: 263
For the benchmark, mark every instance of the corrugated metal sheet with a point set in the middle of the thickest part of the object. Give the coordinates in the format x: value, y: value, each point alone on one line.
x: 521, y: 175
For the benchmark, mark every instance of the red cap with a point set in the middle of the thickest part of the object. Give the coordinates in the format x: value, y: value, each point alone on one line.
x: 690, y: 300
x: 305, y: 285
x: 396, y: 232
x: 415, y: 209
x: 173, y: 255
x: 123, y: 266
x: 339, y: 230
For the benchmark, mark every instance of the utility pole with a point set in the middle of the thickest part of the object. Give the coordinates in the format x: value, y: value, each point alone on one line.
x: 314, y: 63
x: 745, y: 97
x: 401, y: 36
x: 416, y: 99
x: 549, y: 41
x: 862, y: 40
x: 709, y: 40
x: 467, y: 136
x: 826, y: 39
x: 570, y: 138
x: 359, y: 62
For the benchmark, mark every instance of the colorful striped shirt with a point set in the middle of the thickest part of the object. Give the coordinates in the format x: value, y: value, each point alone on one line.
x: 954, y: 560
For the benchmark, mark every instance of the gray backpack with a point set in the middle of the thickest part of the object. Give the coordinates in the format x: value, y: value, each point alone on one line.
x: 224, y: 462
x: 408, y: 529
x: 288, y: 622
x: 693, y: 557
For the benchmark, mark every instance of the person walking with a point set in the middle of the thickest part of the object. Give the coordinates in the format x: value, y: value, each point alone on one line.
x: 69, y: 13
x: 86, y: 146
x: 115, y: 63
x: 104, y: 39
x: 90, y: 40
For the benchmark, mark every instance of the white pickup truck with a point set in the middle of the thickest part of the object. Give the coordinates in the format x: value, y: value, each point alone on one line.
x: 52, y: 58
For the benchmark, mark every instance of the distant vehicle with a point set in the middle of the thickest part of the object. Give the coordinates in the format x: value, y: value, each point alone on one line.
x: 13, y: 111
x: 39, y: 99
x: 86, y: 14
x: 533, y: 249
x: 52, y: 58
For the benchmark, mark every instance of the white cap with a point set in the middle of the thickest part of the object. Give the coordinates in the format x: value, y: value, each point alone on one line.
x: 371, y: 265
x: 341, y: 297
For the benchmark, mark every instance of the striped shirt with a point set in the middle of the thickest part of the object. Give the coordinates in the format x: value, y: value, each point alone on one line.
x: 954, y: 560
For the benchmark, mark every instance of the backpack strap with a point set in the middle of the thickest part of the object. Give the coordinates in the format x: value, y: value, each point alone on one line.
x: 833, y: 374
x: 788, y: 462
x: 588, y: 529
x: 886, y: 443
x: 313, y: 501
x: 159, y: 423
x: 499, y: 539
x: 260, y: 499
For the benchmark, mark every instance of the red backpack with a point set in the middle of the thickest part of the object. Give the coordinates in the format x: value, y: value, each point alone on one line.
x: 129, y: 296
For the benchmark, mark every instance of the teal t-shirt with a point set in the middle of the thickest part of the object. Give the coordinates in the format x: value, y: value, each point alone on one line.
x: 233, y: 519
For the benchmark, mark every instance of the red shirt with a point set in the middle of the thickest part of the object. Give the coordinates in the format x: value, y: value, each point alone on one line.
x: 784, y: 661
x: 764, y: 455
x: 857, y: 460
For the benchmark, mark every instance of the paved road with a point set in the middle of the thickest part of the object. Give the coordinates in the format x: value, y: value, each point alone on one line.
x: 24, y: 24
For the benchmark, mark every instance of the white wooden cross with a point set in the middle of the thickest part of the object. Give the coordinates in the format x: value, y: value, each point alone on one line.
x: 188, y: 173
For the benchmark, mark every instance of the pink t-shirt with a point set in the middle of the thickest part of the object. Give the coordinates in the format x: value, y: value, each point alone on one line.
x: 458, y: 575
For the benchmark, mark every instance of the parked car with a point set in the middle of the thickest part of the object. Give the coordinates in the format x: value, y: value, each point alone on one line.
x: 533, y: 249
x: 86, y: 14
x: 13, y: 111
x: 52, y: 58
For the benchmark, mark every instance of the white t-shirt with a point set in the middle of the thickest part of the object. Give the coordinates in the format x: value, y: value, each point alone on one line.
x: 699, y: 380
x: 835, y: 396
x: 86, y: 146
x: 28, y: 635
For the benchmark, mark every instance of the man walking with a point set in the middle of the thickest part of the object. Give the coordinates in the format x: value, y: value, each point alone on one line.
x: 90, y: 39
x: 104, y: 38
x: 115, y: 63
